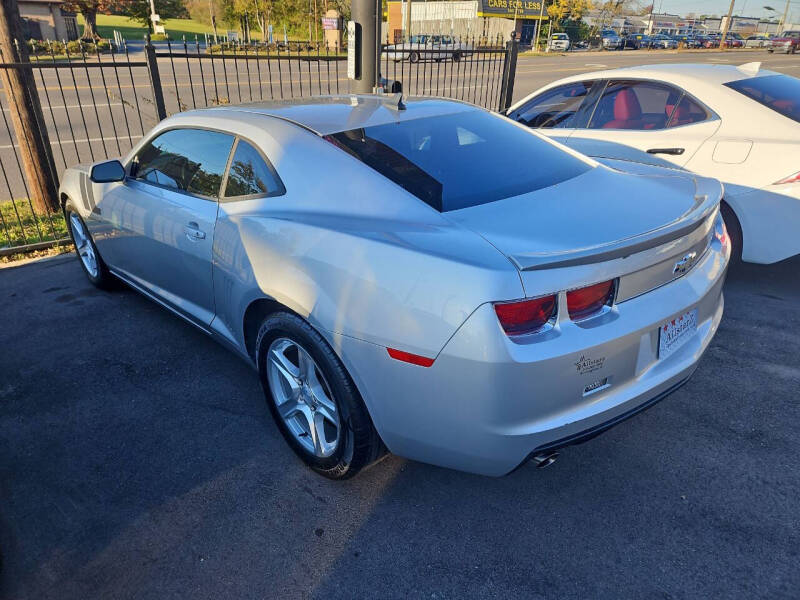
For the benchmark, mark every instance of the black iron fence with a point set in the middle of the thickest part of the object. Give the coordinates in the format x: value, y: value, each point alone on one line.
x: 97, y: 101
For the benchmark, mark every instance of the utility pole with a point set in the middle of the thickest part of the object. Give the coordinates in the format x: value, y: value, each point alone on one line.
x: 26, y: 112
x: 407, y: 26
x: 538, y: 31
x: 785, y: 16
x: 723, y: 43
x: 367, y: 17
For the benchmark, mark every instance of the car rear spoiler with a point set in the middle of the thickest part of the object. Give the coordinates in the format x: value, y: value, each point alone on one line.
x: 700, y: 216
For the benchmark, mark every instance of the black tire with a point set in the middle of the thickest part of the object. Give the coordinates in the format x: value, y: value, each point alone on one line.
x: 359, y: 444
x: 413, y: 57
x: 456, y: 56
x: 734, y: 232
x: 103, y: 278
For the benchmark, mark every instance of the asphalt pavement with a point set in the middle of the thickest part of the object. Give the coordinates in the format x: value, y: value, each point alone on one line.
x: 138, y: 460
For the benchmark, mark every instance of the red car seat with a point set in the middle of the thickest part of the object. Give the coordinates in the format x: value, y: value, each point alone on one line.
x: 627, y: 111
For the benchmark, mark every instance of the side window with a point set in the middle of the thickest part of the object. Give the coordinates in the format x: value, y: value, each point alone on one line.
x: 554, y: 108
x: 687, y: 111
x: 187, y: 160
x: 641, y: 105
x: 251, y: 175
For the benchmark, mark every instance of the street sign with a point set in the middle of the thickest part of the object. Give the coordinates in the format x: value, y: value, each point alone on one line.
x: 353, y: 46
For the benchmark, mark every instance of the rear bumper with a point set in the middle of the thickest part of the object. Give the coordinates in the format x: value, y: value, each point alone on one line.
x: 770, y: 220
x: 488, y: 403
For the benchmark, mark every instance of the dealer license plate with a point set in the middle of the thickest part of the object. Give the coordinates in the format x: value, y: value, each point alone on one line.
x: 674, y: 333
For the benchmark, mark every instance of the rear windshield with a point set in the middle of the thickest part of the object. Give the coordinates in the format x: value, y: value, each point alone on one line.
x: 781, y: 93
x: 460, y: 160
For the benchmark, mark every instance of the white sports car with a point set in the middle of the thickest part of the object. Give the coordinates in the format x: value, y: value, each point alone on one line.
x: 740, y: 125
x: 407, y: 275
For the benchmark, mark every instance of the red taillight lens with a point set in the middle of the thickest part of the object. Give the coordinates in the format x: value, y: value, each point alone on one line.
x: 526, y: 316
x: 790, y: 179
x: 587, y: 301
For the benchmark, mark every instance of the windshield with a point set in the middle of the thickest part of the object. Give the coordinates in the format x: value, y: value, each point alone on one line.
x: 781, y: 93
x: 460, y: 160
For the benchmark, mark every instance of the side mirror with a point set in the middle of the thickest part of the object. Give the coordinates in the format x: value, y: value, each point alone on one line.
x: 106, y: 172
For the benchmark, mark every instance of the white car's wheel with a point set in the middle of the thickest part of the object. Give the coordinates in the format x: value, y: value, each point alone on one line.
x: 414, y: 57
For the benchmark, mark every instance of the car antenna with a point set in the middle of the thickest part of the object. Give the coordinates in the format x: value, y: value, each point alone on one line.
x: 397, y: 101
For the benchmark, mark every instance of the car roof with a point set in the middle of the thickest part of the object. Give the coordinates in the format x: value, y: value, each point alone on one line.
x: 332, y: 114
x: 688, y: 75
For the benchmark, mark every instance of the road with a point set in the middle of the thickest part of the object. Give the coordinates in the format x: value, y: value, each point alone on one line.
x: 138, y: 460
x: 89, y: 117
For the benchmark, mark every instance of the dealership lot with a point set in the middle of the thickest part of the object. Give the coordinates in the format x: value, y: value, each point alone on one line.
x: 138, y: 459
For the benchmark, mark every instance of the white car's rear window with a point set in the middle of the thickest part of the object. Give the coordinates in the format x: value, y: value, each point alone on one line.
x: 460, y: 160
x: 781, y: 93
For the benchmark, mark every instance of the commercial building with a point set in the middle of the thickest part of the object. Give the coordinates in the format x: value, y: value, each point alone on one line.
x: 486, y: 19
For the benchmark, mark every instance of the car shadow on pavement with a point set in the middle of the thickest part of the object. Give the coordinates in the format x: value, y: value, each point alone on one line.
x: 138, y: 459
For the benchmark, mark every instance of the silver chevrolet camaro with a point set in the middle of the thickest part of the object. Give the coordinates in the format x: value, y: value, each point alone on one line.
x: 422, y: 276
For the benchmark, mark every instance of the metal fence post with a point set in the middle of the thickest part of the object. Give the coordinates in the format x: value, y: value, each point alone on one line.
x: 509, y: 72
x: 155, y: 78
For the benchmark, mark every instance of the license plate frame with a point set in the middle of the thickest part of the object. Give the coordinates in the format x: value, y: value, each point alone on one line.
x: 675, y: 332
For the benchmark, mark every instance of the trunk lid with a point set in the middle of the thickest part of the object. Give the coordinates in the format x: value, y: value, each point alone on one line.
x: 601, y: 215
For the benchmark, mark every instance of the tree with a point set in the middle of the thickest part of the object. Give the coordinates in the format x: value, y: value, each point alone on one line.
x: 571, y: 10
x: 89, y: 10
x: 139, y: 10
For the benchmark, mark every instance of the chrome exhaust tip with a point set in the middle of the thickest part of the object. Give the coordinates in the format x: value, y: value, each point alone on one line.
x: 545, y: 459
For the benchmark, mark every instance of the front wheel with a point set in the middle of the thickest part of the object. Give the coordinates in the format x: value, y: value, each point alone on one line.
x: 414, y: 57
x: 456, y: 56
x: 93, y: 265
x: 314, y: 402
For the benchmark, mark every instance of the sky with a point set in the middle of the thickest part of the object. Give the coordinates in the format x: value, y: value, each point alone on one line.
x: 745, y: 8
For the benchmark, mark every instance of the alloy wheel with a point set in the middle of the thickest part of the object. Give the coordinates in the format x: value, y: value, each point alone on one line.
x: 303, y: 397
x: 83, y: 244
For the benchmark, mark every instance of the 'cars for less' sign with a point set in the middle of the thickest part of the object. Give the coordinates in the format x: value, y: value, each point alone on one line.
x: 523, y: 9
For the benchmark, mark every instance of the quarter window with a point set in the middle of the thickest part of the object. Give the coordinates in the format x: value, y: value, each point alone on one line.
x: 554, y: 108
x: 250, y: 174
x: 187, y: 160
x: 644, y: 105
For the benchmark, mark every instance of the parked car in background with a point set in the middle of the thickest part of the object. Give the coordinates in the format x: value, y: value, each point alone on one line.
x: 634, y: 41
x: 559, y: 42
x: 610, y: 40
x: 787, y: 42
x: 688, y: 41
x: 760, y: 40
x: 664, y: 41
x: 699, y: 117
x: 400, y: 280
x: 429, y: 47
x: 733, y: 40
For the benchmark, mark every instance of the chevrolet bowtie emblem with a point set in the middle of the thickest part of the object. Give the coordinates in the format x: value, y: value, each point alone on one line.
x: 684, y: 264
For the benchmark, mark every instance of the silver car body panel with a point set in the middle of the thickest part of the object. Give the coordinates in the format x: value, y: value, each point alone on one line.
x: 371, y: 267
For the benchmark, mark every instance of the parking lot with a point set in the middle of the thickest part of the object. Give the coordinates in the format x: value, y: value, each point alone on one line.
x: 138, y: 459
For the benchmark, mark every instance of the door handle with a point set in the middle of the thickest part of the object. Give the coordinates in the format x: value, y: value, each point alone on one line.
x: 193, y: 232
x: 673, y: 151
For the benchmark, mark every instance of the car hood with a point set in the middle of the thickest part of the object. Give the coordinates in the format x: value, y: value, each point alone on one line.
x: 601, y: 214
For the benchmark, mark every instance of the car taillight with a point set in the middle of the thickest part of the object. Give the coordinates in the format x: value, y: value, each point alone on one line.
x: 720, y: 231
x: 525, y: 316
x: 790, y: 179
x: 585, y: 302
